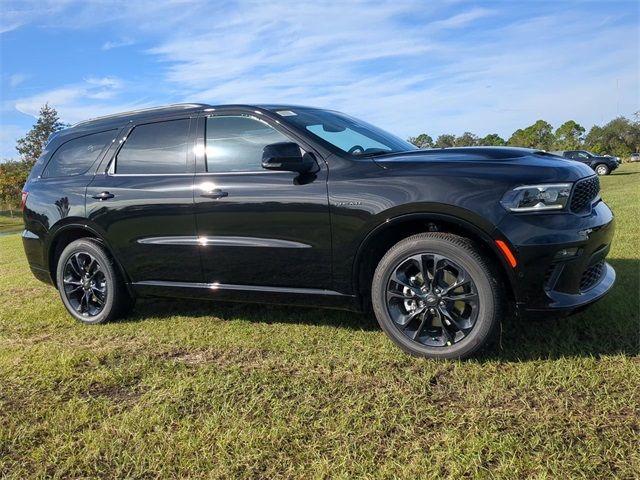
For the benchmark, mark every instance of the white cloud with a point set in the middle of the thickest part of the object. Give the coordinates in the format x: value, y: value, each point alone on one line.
x: 17, y: 79
x: 462, y: 19
x: 410, y: 66
x: 17, y: 13
x: 408, y: 76
x: 92, y: 98
x: 125, y: 42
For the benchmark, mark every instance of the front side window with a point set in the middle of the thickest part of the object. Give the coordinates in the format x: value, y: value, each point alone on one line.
x: 76, y: 156
x: 155, y: 148
x: 235, y: 143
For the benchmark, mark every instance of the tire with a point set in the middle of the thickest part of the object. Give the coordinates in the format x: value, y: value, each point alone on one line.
x: 89, y: 283
x: 602, y: 169
x: 476, y: 306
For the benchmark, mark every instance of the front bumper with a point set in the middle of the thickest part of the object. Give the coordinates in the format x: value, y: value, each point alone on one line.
x: 547, y: 281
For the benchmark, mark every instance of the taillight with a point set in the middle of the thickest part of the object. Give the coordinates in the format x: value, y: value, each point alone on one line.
x: 23, y: 202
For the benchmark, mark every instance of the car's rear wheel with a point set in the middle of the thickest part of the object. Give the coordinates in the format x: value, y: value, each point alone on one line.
x: 602, y: 169
x: 89, y: 283
x: 436, y: 295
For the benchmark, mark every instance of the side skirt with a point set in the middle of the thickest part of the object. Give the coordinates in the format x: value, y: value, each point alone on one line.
x: 308, y: 297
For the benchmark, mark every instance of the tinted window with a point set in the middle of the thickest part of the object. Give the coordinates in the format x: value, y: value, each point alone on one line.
x: 155, y: 148
x: 76, y: 156
x: 234, y: 144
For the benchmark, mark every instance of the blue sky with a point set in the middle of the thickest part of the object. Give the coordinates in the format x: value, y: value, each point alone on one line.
x: 407, y: 66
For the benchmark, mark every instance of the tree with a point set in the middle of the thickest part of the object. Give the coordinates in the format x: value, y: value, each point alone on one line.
x: 422, y: 141
x: 539, y: 135
x: 493, y: 139
x: 593, y: 140
x: 445, y: 140
x: 518, y: 139
x: 13, y: 175
x: 569, y: 136
x: 621, y: 137
x: 31, y: 145
x: 467, y: 139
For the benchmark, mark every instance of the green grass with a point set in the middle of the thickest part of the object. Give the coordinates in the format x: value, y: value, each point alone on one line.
x: 9, y: 223
x: 186, y: 389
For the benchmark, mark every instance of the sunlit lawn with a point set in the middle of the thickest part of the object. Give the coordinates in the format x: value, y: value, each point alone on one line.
x: 213, y: 390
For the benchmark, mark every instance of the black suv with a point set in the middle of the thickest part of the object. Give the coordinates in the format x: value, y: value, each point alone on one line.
x: 602, y: 164
x: 302, y: 206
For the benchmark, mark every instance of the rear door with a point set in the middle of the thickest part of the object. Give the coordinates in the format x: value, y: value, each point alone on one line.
x: 143, y: 202
x: 257, y: 227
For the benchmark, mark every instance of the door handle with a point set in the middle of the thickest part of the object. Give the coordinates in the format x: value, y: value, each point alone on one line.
x: 216, y: 193
x: 103, y: 196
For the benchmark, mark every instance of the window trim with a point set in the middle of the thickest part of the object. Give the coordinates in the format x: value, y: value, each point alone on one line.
x: 191, y: 131
x: 96, y: 161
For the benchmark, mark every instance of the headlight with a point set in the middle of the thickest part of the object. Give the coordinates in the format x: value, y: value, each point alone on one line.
x: 537, y: 198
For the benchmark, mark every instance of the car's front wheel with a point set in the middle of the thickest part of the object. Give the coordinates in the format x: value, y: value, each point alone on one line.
x: 89, y: 284
x: 436, y: 295
x: 602, y: 169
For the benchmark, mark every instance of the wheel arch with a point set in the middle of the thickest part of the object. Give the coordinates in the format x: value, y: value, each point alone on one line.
x: 391, y: 231
x: 69, y: 232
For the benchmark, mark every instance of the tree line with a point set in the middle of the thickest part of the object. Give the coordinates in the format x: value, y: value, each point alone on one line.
x: 14, y: 173
x: 619, y: 137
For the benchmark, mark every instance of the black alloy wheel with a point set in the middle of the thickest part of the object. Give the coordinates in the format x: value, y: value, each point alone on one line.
x: 437, y: 295
x: 432, y: 300
x: 89, y: 283
x: 85, y: 284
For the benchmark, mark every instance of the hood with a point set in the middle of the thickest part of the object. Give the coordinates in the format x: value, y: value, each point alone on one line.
x: 524, y: 163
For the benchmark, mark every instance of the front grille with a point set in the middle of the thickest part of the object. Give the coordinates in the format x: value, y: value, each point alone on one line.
x: 591, y: 276
x: 584, y: 193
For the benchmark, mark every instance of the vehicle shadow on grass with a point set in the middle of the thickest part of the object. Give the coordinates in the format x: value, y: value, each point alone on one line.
x: 609, y: 327
x: 251, y: 312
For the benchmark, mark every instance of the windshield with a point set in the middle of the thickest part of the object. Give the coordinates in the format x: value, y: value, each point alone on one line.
x: 348, y: 134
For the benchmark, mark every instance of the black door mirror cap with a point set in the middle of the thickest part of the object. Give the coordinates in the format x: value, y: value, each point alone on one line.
x: 287, y: 157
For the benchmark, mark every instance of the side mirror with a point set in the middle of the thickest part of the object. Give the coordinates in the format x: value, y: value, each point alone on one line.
x: 287, y: 157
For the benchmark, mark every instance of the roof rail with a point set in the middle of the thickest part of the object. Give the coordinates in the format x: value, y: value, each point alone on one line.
x: 141, y: 110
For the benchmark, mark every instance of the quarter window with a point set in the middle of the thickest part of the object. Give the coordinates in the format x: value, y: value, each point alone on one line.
x: 76, y: 156
x: 235, y: 143
x: 155, y: 148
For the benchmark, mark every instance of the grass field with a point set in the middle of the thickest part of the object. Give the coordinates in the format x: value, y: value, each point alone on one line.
x: 10, y: 223
x: 212, y: 390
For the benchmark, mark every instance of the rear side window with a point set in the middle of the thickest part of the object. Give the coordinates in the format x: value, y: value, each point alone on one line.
x: 76, y: 156
x: 155, y: 148
x: 235, y: 143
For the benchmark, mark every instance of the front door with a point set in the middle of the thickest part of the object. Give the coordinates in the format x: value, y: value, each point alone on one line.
x: 257, y: 227
x: 144, y: 203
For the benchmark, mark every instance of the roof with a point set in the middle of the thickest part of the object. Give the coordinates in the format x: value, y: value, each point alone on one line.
x: 166, y: 110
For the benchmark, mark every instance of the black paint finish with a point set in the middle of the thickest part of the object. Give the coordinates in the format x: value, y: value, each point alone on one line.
x: 285, y: 237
